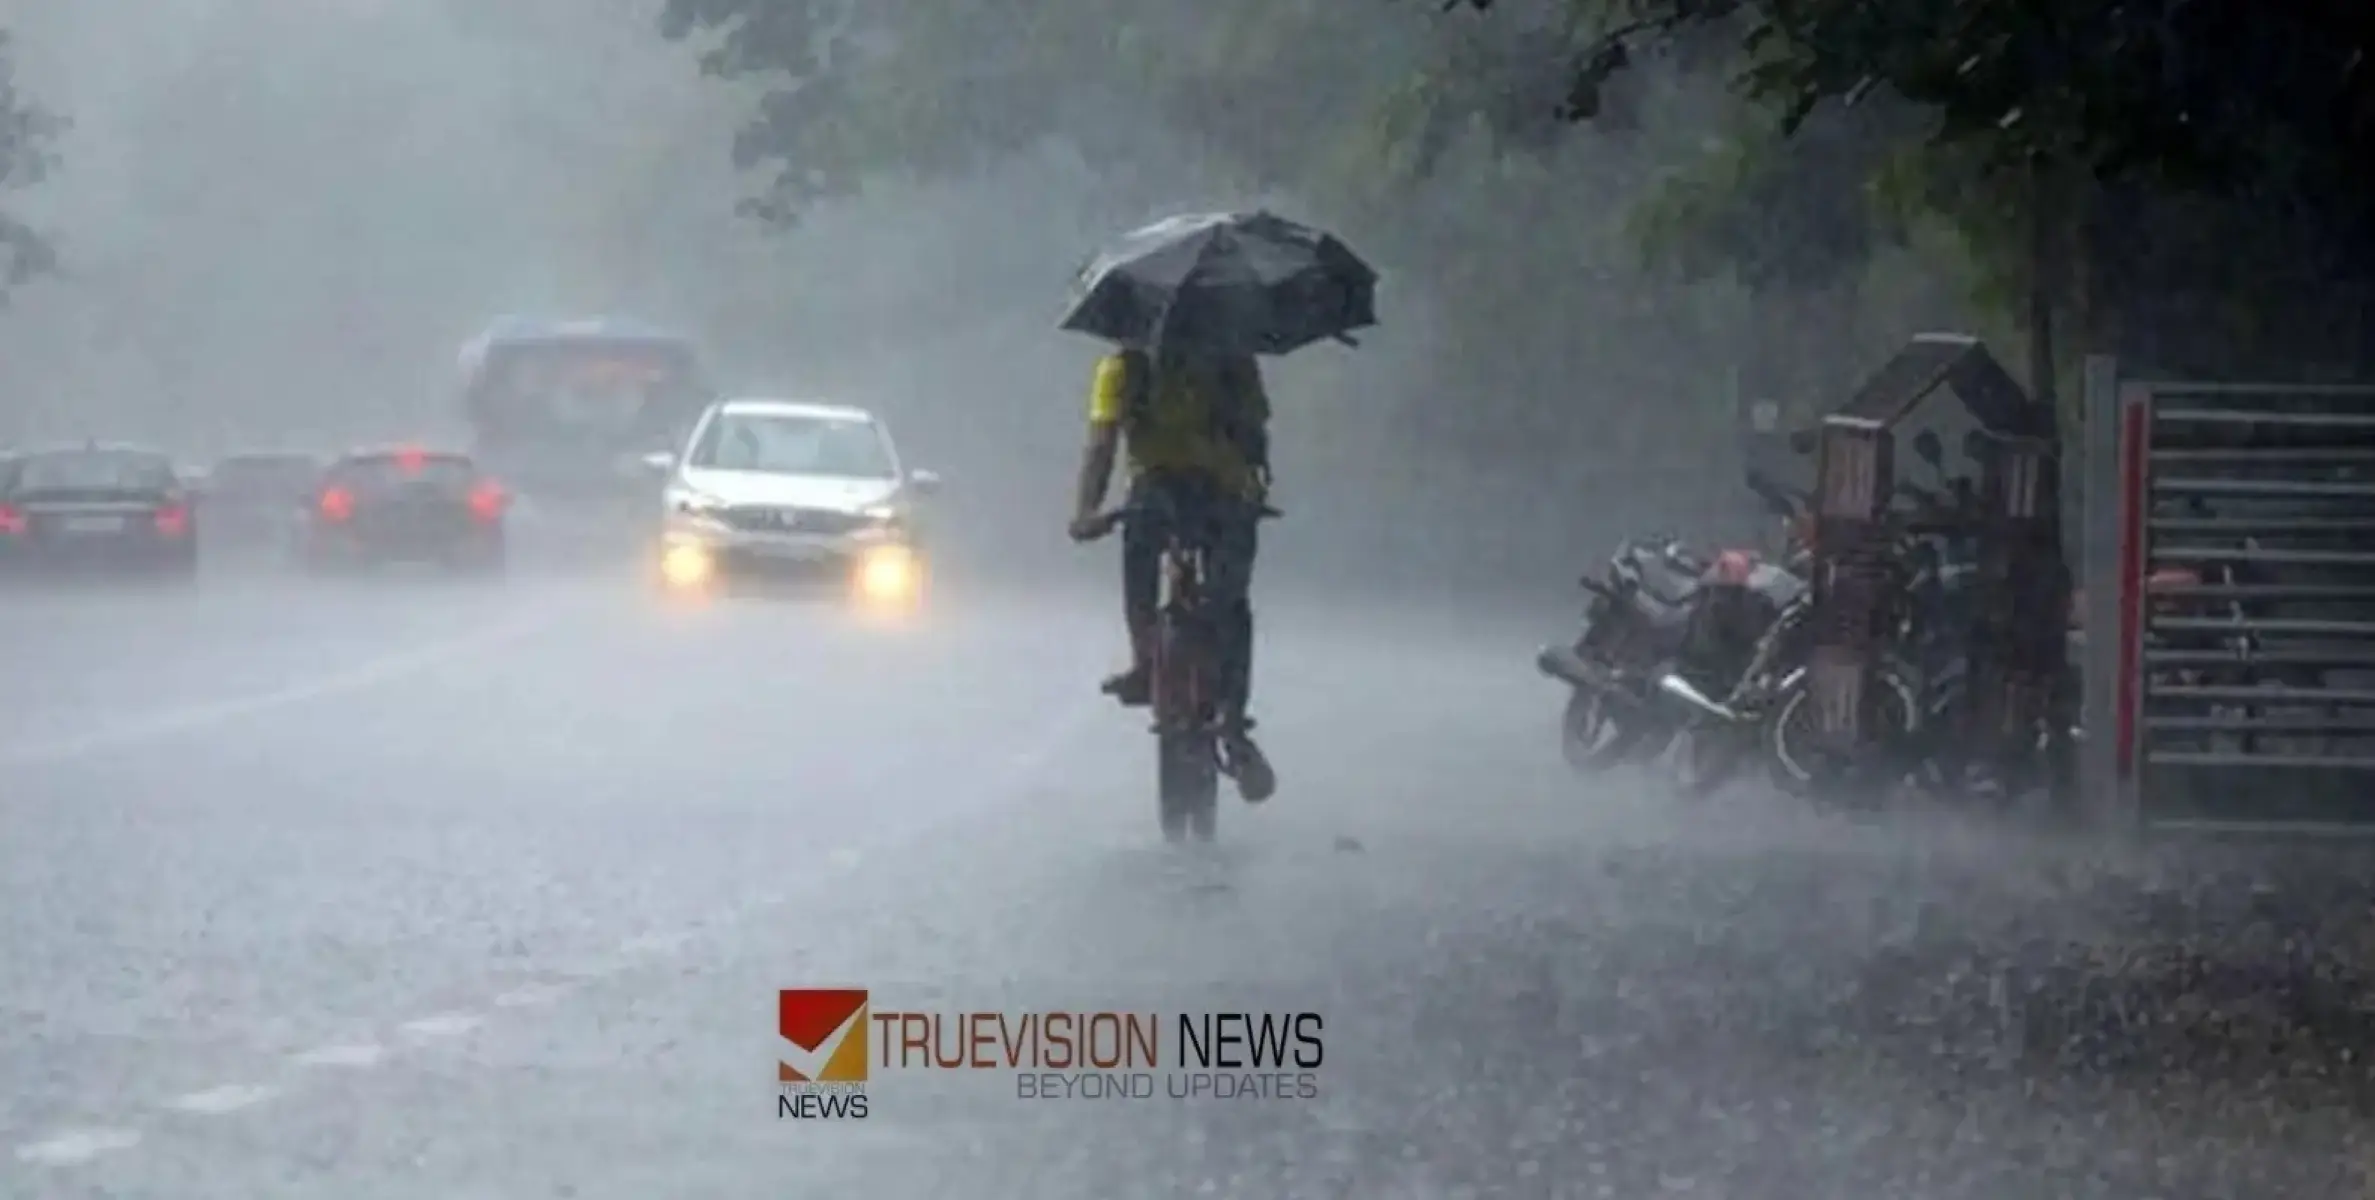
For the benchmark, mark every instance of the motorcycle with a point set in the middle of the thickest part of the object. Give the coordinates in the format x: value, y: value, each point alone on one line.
x: 1663, y: 618
x: 1922, y: 666
x: 1636, y: 622
x: 1749, y: 665
x: 1767, y: 706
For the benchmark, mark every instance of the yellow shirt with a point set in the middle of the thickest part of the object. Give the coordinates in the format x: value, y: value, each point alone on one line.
x: 1177, y: 431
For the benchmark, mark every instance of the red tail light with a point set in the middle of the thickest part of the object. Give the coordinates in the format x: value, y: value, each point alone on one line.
x: 173, y: 520
x: 13, y: 522
x: 487, y: 500
x: 411, y: 460
x: 336, y: 504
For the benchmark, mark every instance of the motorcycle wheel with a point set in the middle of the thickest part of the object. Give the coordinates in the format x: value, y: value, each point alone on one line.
x: 1799, y: 771
x: 1590, y: 737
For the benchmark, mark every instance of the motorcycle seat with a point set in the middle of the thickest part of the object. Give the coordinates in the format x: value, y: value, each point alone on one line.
x: 1661, y: 613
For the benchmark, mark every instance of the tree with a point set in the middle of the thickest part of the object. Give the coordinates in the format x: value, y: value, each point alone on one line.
x: 2218, y: 94
x: 1433, y: 140
x: 942, y: 89
x: 2152, y: 150
x: 28, y: 134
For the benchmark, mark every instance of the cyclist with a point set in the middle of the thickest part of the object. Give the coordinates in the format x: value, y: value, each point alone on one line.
x: 1196, y: 429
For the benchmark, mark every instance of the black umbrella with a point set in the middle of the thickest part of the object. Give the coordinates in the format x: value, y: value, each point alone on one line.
x: 1234, y: 283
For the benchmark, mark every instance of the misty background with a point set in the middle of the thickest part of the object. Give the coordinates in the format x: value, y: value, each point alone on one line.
x: 278, y: 220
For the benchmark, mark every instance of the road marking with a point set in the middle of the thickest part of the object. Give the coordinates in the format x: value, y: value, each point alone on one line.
x: 77, y: 1146
x: 534, y: 993
x: 369, y: 674
x: 359, y: 1054
x: 228, y: 1099
x: 443, y: 1025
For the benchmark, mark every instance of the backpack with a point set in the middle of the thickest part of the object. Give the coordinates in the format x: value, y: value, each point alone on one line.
x: 1248, y: 431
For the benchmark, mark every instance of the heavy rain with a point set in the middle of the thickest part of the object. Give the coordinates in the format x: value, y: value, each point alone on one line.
x: 633, y: 599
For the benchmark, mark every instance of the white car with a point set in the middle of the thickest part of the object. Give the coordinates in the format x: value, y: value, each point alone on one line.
x: 790, y: 491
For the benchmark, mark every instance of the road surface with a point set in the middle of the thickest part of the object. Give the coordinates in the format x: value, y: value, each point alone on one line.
x: 464, y: 892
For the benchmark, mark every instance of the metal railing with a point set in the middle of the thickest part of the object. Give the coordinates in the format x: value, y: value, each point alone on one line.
x: 2228, y: 545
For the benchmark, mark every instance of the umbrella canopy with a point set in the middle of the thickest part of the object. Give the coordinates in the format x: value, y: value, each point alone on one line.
x: 1232, y: 283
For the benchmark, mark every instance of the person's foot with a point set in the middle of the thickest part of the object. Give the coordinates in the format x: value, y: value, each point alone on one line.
x: 1133, y: 688
x: 1256, y: 780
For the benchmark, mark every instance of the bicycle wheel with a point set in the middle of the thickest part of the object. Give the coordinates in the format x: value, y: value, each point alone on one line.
x: 1187, y: 765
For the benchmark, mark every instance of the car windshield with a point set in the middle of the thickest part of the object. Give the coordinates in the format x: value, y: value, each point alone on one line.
x: 386, y: 471
x: 264, y: 477
x: 96, y: 470
x: 794, y: 444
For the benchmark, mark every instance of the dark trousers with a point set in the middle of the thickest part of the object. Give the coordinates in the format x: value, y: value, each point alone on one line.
x: 1226, y: 528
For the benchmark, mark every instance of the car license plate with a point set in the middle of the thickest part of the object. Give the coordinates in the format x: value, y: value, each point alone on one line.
x: 794, y: 550
x: 94, y: 524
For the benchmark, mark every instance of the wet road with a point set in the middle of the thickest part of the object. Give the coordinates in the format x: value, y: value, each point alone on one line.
x: 487, y: 892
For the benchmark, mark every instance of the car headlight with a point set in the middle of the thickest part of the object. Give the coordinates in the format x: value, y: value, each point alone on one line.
x: 888, y: 575
x: 686, y: 565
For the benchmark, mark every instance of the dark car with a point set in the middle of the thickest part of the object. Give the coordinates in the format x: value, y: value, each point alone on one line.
x: 95, y: 509
x: 381, y: 507
x: 259, y: 501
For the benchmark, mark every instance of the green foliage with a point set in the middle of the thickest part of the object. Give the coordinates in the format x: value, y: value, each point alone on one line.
x: 2126, y: 115
x: 28, y: 134
x: 1264, y: 88
x: 2187, y: 94
x: 855, y: 91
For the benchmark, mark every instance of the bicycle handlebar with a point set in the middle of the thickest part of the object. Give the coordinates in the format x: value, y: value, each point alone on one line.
x: 1125, y: 513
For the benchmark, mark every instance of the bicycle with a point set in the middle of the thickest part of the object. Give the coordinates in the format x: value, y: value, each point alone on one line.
x: 1190, y: 753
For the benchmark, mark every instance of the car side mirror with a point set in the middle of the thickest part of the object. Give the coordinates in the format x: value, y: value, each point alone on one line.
x: 925, y: 483
x: 659, y: 462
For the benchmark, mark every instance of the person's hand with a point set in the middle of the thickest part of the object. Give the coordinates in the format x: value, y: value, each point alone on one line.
x: 1088, y: 527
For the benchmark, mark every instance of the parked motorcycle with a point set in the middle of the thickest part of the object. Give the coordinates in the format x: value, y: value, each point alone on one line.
x: 1924, y: 659
x: 1767, y: 710
x: 1752, y: 664
x: 1634, y: 625
x: 1666, y: 628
